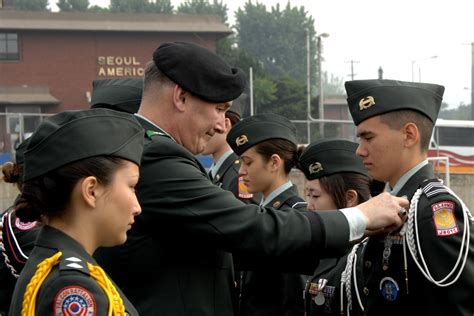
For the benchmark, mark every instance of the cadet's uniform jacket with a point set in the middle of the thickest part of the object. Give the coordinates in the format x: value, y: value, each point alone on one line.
x: 227, y: 177
x: 267, y: 292
x: 69, y: 288
x: 440, y: 229
x: 16, y: 242
x: 173, y: 262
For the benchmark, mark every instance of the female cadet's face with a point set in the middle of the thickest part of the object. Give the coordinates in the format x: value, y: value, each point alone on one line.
x: 255, y: 171
x: 318, y: 199
x: 120, y: 205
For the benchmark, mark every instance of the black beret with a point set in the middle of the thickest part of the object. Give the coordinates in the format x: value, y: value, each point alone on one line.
x: 326, y: 157
x: 200, y: 71
x: 74, y: 135
x: 20, y: 152
x: 122, y: 95
x: 258, y: 128
x: 367, y: 98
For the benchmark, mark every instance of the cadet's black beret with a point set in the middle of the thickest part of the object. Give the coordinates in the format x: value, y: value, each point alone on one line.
x: 74, y: 135
x: 200, y: 71
x: 122, y: 95
x: 258, y: 128
x: 20, y: 152
x: 367, y: 98
x: 326, y: 157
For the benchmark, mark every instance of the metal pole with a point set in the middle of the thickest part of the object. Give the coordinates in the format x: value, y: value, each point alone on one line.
x: 472, y: 81
x: 321, y: 101
x: 308, y: 89
x: 413, y: 70
x: 251, y: 91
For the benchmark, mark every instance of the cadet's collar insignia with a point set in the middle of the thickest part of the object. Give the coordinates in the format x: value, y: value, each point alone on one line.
x: 218, y: 177
x: 389, y: 288
x: 366, y: 103
x: 276, y: 204
x: 243, y: 191
x: 239, y: 141
x: 443, y: 218
x: 74, y: 300
x: 237, y: 161
x: 315, y: 168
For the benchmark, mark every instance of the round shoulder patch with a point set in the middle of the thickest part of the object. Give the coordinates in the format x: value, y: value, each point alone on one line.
x: 24, y: 225
x: 74, y: 300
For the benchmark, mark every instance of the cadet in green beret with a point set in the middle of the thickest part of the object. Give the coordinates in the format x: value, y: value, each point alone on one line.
x: 16, y: 237
x: 82, y: 185
x: 336, y: 178
x: 124, y: 94
x: 267, y: 146
x: 427, y: 267
x: 175, y: 261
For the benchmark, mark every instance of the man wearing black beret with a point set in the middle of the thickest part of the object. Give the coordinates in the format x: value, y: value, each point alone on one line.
x: 427, y: 267
x: 175, y: 260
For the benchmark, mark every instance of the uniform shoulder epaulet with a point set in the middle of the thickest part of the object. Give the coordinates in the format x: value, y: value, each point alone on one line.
x: 433, y: 187
x: 73, y: 262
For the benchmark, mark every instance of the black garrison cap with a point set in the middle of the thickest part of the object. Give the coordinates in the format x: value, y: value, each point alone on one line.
x: 200, y: 71
x: 238, y: 105
x: 258, y: 128
x: 20, y: 152
x: 74, y: 135
x: 122, y: 95
x: 326, y: 157
x: 367, y: 98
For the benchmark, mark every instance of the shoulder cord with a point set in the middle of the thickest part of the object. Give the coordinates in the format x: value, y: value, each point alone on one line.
x: 346, y: 276
x: 11, y: 236
x: 410, y: 228
x: 44, y: 268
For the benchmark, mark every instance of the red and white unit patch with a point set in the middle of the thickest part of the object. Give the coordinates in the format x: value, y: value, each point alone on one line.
x: 243, y: 191
x: 24, y: 225
x: 74, y: 301
x: 444, y: 219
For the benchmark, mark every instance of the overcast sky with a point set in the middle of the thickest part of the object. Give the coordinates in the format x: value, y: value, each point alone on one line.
x: 393, y: 35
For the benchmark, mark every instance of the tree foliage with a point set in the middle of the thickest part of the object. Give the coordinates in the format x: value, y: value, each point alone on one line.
x: 141, y: 6
x: 73, y: 5
x: 31, y: 5
x: 204, y: 7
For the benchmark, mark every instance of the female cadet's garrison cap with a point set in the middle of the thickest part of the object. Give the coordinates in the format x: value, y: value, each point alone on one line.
x: 20, y: 152
x: 200, y: 71
x: 124, y: 94
x: 367, y: 98
x: 326, y: 157
x: 258, y: 128
x: 74, y: 135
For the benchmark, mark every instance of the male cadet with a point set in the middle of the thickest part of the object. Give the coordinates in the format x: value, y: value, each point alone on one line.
x: 174, y: 260
x: 224, y: 171
x: 427, y: 268
x: 124, y: 94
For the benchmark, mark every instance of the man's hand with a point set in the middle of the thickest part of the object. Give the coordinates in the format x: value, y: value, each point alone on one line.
x: 382, y: 213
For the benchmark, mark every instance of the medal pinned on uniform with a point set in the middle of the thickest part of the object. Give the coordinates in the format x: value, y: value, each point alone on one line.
x: 387, y: 251
x: 319, y: 299
x: 389, y: 288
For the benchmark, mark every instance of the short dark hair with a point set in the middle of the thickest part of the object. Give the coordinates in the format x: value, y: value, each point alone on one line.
x: 283, y: 148
x: 396, y: 119
x: 338, y: 184
x: 50, y: 194
x: 153, y: 75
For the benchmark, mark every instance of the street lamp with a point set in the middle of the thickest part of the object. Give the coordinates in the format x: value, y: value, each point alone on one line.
x: 419, y: 70
x: 320, y: 82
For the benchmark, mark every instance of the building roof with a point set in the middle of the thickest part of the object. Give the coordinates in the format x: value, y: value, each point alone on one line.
x: 26, y: 95
x: 110, y: 22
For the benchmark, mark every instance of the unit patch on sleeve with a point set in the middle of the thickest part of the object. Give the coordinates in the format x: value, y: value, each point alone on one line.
x: 74, y: 300
x: 243, y: 191
x: 444, y: 219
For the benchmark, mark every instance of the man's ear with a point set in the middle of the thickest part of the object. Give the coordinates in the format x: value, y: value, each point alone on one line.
x: 90, y: 190
x: 412, y: 134
x: 228, y: 124
x: 179, y: 98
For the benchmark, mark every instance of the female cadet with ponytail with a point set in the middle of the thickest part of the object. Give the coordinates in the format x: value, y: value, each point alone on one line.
x: 336, y: 178
x: 81, y: 168
x: 267, y: 147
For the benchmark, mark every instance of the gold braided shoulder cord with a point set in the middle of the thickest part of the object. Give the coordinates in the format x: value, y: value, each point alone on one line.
x: 116, y: 306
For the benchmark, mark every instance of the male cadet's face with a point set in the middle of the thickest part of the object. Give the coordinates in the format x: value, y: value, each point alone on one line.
x: 380, y: 147
x: 318, y: 199
x: 204, y: 120
x: 217, y: 141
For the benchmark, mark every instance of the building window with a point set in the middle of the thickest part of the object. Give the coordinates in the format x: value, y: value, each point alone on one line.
x: 9, y: 46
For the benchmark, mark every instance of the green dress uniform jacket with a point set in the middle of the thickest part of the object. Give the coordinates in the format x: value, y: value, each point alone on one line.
x: 385, y: 290
x: 173, y: 262
x: 227, y: 177
x: 267, y: 292
x: 68, y: 289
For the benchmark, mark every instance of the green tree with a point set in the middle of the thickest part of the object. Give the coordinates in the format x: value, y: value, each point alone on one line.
x: 31, y: 5
x: 98, y: 9
x: 462, y: 112
x: 73, y: 5
x: 204, y: 7
x: 141, y: 6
